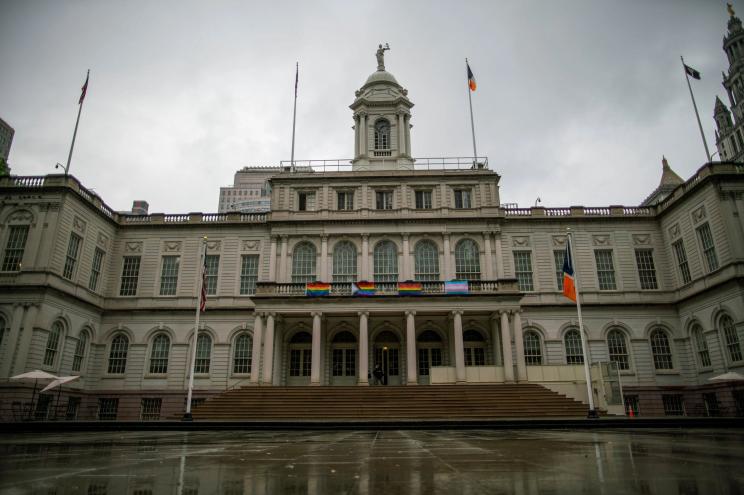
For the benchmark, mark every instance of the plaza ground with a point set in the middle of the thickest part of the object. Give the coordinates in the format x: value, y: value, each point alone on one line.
x: 385, y: 462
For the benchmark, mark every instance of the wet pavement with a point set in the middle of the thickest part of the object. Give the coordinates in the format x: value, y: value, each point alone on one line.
x: 375, y: 462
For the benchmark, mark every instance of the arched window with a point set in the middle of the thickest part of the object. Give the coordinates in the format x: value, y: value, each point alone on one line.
x: 80, y: 348
x: 427, y: 261
x: 203, y: 353
x: 532, y: 348
x: 118, y: 355
x: 303, y: 263
x: 661, y: 350
x: 382, y: 135
x: 475, y: 348
x: 731, y: 338
x: 159, y: 354
x: 618, y: 349
x: 386, y: 262
x: 52, y: 344
x: 574, y: 352
x: 242, y: 358
x: 467, y: 260
x: 701, y: 346
x: 344, y: 262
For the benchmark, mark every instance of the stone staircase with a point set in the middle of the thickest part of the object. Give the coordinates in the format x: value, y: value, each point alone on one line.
x: 434, y: 402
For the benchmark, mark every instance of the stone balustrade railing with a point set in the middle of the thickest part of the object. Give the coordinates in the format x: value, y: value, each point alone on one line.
x: 344, y: 289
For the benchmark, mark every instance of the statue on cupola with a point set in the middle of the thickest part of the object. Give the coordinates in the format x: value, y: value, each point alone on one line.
x: 382, y: 128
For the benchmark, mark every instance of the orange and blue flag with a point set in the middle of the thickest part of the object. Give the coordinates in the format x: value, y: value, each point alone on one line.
x: 471, y: 78
x: 569, y: 287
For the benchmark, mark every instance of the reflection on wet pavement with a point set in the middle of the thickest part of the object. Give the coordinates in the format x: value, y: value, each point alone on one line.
x: 375, y: 462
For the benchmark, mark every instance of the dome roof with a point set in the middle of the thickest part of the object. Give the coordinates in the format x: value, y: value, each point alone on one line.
x: 381, y: 76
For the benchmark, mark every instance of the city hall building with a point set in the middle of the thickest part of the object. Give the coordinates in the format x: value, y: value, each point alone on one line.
x: 111, y: 296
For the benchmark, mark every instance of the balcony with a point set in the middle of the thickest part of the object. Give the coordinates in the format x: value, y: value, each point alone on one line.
x: 387, y: 289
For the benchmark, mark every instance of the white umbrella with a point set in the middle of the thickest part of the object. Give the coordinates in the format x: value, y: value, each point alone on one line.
x: 35, y: 375
x: 58, y: 382
x: 731, y: 376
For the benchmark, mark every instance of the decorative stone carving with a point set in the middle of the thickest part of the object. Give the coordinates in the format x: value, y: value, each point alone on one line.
x: 674, y: 230
x: 21, y: 216
x: 602, y: 240
x: 102, y: 240
x: 698, y: 214
x: 641, y: 239
x: 78, y: 224
x: 172, y: 246
x: 521, y: 241
x: 133, y: 247
x: 559, y: 241
x: 251, y: 245
x: 214, y: 246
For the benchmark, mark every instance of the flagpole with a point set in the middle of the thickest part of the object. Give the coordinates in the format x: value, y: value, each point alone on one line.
x: 74, y: 134
x: 694, y: 105
x: 584, y: 343
x: 294, y: 114
x: 472, y: 125
x: 202, y: 254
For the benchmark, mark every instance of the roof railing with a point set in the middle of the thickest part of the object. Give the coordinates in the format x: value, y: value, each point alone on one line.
x: 420, y: 164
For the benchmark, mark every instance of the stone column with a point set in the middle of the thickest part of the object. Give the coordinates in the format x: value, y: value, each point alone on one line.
x: 24, y: 345
x: 506, y: 348
x: 411, y: 375
x: 496, y: 340
x: 315, y: 365
x: 324, y: 259
x: 446, y: 268
x: 406, y: 258
x: 499, y: 255
x: 401, y: 134
x: 408, y: 134
x: 460, y: 374
x: 268, y: 354
x: 272, y: 260
x: 356, y: 135
x: 365, y: 257
x: 256, y: 352
x: 363, y: 348
x: 489, y: 255
x: 11, y: 341
x: 283, y: 261
x: 519, y: 344
x: 363, y: 135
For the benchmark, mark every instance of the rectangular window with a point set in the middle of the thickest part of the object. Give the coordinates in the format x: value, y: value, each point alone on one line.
x: 631, y: 403
x: 384, y: 200
x: 72, y: 254
x: 559, y: 256
x: 523, y: 270
x: 463, y: 199
x: 423, y: 200
x: 95, y: 269
x: 674, y: 404
x: 107, y: 408
x: 345, y: 200
x: 73, y: 405
x: 709, y: 250
x: 14, y: 248
x: 129, y: 276
x: 306, y: 201
x: 169, y: 275
x: 684, y: 267
x: 646, y: 269
x: 248, y: 274
x: 605, y: 269
x: 150, y: 408
x: 212, y: 264
x: 712, y: 407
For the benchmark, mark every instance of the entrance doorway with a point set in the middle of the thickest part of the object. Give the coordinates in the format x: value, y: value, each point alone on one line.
x: 429, y: 353
x: 387, y: 355
x: 300, y: 359
x: 343, y: 359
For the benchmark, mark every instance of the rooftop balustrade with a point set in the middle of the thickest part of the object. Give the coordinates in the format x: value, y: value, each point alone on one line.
x: 447, y: 163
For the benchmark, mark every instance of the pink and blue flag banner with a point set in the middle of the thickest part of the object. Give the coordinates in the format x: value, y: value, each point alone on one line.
x: 363, y: 288
x: 456, y: 287
x: 317, y: 289
x: 409, y: 288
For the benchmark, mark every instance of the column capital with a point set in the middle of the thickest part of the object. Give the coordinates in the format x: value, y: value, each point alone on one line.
x: 270, y: 314
x: 324, y: 238
x: 363, y: 313
x: 274, y: 237
x: 516, y: 311
x: 316, y: 313
x: 284, y: 237
x: 456, y: 312
x: 405, y: 235
x: 445, y: 235
x: 495, y: 316
x: 410, y: 313
x: 503, y: 312
x: 365, y: 237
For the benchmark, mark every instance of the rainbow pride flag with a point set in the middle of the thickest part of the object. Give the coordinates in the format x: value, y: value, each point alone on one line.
x: 363, y: 288
x: 316, y: 289
x: 456, y: 287
x: 409, y: 288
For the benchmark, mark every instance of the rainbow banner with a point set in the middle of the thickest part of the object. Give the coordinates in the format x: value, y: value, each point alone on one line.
x: 409, y: 288
x: 317, y: 289
x: 363, y: 288
x: 456, y: 287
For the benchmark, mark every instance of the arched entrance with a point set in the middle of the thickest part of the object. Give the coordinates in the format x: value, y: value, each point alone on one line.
x: 387, y: 355
x: 343, y: 359
x: 430, y: 346
x: 300, y: 358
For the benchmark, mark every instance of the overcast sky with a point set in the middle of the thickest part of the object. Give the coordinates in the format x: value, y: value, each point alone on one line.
x: 577, y: 101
